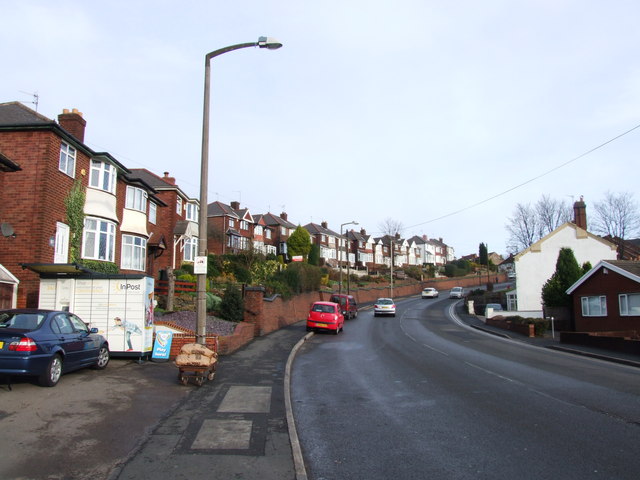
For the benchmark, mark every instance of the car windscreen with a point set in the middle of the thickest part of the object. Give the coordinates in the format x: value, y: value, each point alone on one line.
x: 323, y: 309
x: 384, y: 301
x: 21, y: 321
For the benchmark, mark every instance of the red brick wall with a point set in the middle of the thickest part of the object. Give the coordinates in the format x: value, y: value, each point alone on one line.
x: 32, y: 202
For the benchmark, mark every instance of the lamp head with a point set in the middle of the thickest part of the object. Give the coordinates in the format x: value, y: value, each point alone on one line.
x: 269, y: 43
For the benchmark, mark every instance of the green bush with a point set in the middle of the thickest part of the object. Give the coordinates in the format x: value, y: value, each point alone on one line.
x: 187, y: 277
x: 102, y: 267
x: 232, y: 305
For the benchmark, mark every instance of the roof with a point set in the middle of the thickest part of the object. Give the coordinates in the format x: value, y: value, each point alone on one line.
x: 7, y: 165
x: 155, y: 181
x: 626, y: 268
x: 219, y: 209
x: 15, y: 114
x: 315, y: 229
x: 271, y: 220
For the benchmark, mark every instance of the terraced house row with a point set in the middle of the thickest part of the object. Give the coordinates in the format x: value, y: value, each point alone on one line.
x: 134, y: 218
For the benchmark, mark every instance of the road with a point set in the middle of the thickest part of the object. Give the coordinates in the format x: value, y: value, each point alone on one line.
x: 422, y: 396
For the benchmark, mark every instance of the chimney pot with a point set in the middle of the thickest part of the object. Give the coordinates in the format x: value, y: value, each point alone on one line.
x: 235, y: 205
x: 324, y: 225
x: 580, y: 213
x: 283, y: 215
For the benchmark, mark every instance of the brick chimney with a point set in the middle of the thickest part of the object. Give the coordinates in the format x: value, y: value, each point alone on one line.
x: 169, y: 179
x: 580, y: 213
x: 235, y: 205
x: 73, y: 123
x: 324, y: 225
x: 283, y: 216
x: 363, y: 231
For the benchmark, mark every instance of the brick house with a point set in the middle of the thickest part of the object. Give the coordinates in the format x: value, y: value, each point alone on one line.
x: 53, y: 158
x: 328, y: 241
x: 362, y: 245
x: 607, y: 298
x: 279, y: 229
x: 174, y: 234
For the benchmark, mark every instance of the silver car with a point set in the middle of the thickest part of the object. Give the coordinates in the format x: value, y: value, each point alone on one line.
x: 456, y: 292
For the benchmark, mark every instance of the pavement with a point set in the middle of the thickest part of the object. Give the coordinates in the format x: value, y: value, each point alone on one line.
x: 241, y: 425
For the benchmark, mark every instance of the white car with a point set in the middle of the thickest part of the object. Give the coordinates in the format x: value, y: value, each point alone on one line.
x: 456, y: 292
x: 384, y: 306
x: 430, y: 293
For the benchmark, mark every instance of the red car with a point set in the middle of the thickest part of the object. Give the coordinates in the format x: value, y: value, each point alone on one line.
x: 325, y: 316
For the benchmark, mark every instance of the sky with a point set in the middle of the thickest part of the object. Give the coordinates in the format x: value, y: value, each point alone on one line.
x: 441, y: 116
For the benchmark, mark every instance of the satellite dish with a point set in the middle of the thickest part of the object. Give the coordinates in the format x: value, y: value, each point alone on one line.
x: 7, y: 229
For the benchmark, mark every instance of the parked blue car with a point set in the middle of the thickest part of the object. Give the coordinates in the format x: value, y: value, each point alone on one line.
x: 47, y: 343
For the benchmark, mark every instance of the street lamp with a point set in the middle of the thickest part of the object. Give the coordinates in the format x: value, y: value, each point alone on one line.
x: 201, y: 275
x: 353, y: 222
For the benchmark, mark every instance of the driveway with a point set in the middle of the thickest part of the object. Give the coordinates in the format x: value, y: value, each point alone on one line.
x: 86, y: 425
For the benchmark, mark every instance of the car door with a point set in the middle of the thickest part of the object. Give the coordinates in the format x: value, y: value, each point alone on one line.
x: 69, y: 340
x: 89, y: 350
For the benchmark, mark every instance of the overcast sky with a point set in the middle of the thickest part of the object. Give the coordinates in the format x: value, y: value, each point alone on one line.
x: 420, y: 111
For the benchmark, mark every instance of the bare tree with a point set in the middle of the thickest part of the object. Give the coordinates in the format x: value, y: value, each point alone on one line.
x: 617, y: 216
x: 391, y: 227
x: 523, y: 228
x: 551, y: 214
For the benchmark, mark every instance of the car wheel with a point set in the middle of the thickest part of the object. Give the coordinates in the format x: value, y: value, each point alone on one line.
x: 103, y: 358
x: 52, y: 374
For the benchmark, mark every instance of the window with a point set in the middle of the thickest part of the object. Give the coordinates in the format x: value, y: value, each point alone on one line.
x: 190, y: 249
x: 283, y: 231
x: 67, y: 159
x: 179, y: 206
x: 98, y: 239
x: 102, y: 176
x: 594, y: 306
x: 267, y: 233
x: 134, y: 252
x: 232, y: 222
x: 629, y: 304
x: 153, y: 212
x: 258, y: 230
x: 244, y: 225
x: 136, y: 199
x: 192, y: 212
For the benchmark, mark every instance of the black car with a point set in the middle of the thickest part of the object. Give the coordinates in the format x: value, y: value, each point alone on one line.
x: 48, y: 343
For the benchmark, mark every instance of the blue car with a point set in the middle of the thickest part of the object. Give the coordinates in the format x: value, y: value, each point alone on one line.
x: 47, y: 343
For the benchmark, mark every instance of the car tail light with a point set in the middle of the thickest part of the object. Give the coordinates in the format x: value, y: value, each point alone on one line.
x: 24, y: 345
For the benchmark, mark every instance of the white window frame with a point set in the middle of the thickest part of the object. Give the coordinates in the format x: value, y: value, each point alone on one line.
x: 102, y: 176
x: 136, y: 199
x: 190, y: 249
x: 594, y: 306
x: 267, y: 233
x: 98, y: 239
x: 232, y: 222
x: 67, y: 162
x: 623, y: 302
x: 179, y: 206
x: 153, y: 212
x: 258, y: 230
x: 61, y: 249
x: 133, y: 253
x: 192, y: 211
x: 244, y: 225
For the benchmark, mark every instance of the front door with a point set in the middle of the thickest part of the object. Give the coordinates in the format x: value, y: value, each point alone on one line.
x: 62, y: 243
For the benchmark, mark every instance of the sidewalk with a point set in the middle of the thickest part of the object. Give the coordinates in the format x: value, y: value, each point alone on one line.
x: 476, y: 321
x: 232, y: 427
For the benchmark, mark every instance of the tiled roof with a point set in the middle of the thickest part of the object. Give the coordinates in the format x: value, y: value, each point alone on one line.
x: 16, y: 114
x: 217, y: 209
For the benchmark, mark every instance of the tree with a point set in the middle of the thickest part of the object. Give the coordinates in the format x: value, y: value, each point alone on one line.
x: 391, y: 227
x: 299, y: 243
x: 530, y: 223
x: 523, y: 228
x: 618, y: 217
x: 314, y: 255
x: 483, y: 255
x: 567, y: 273
x: 551, y: 214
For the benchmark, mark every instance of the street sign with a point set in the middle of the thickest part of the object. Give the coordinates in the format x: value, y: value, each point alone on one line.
x: 200, y: 266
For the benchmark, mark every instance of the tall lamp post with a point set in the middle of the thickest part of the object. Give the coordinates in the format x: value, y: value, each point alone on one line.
x: 353, y: 222
x: 201, y: 274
